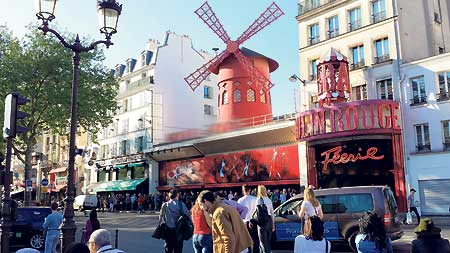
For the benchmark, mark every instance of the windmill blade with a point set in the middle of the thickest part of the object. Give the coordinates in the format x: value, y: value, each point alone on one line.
x: 201, y: 74
x: 257, y: 77
x: 208, y: 16
x: 272, y: 13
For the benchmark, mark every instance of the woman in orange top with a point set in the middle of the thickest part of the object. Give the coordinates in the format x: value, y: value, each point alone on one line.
x: 202, y: 239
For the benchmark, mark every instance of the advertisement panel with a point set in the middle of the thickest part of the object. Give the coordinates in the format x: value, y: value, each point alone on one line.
x: 270, y: 164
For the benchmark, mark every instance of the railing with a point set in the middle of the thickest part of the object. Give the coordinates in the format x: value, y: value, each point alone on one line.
x: 381, y: 58
x: 443, y: 96
x: 418, y: 100
x: 377, y: 17
x: 358, y: 65
x: 333, y: 33
x: 314, y: 40
x: 356, y: 24
x: 423, y: 148
x: 309, y: 5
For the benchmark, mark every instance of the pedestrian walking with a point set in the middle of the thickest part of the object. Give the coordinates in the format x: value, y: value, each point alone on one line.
x: 412, y: 206
x: 140, y: 202
x: 429, y: 238
x: 51, y: 228
x: 92, y: 224
x: 229, y: 232
x: 202, y: 239
x: 312, y: 240
x: 265, y: 225
x: 77, y: 247
x: 100, y: 242
x: 170, y: 212
x: 249, y: 201
x: 372, y: 236
x: 310, y: 205
x: 133, y: 202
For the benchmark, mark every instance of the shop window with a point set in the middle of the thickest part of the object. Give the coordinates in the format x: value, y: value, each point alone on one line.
x: 446, y: 134
x: 236, y: 95
x: 138, y: 172
x: 122, y: 174
x: 385, y: 89
x: 250, y: 95
x: 354, y: 203
x: 418, y: 91
x: 225, y: 98
x: 422, y: 138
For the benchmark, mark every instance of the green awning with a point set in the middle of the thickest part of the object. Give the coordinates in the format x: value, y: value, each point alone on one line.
x: 135, y: 164
x: 120, y: 166
x: 118, y: 185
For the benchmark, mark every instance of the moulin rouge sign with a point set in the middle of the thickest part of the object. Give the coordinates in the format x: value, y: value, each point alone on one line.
x: 351, y: 116
x: 336, y: 156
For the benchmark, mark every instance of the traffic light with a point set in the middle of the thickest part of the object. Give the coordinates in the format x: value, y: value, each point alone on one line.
x: 12, y: 114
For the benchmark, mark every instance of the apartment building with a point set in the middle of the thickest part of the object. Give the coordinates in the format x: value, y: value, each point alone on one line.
x: 393, y: 49
x: 154, y: 101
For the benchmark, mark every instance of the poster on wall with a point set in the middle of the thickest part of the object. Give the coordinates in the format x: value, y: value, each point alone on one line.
x: 271, y: 164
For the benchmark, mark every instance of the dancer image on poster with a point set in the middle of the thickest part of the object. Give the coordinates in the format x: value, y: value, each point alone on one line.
x: 221, y: 171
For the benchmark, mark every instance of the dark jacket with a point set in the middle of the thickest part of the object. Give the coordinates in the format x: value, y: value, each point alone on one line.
x: 430, y: 245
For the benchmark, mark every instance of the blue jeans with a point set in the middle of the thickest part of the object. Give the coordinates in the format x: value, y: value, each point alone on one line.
x: 202, y: 243
x: 50, y: 243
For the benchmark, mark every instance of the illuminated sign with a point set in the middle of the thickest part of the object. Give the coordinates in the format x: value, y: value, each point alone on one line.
x: 336, y: 156
x: 359, y: 115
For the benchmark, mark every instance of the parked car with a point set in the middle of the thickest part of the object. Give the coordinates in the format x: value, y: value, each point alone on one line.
x: 27, y: 228
x: 342, y: 207
x: 85, y: 202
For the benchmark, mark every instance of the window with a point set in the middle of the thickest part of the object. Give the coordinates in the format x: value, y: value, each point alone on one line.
x: 328, y: 203
x: 124, y: 128
x: 358, y: 57
x: 207, y: 92
x: 418, y: 91
x: 113, y: 149
x: 313, y: 69
x: 444, y: 86
x: 125, y: 105
x: 101, y: 175
x: 139, y: 142
x: 236, y: 95
x: 385, y: 89
x: 422, y: 138
x: 123, y: 147
x: 250, y: 95
x: 333, y: 27
x: 379, y: 11
x: 354, y: 203
x: 446, y: 132
x: 225, y: 98
x: 138, y: 172
x: 207, y: 110
x: 314, y: 36
x: 122, y: 174
x: 262, y: 97
x: 382, y: 50
x: 237, y: 83
x: 354, y: 18
x: 314, y: 103
x: 360, y: 92
x: 152, y: 79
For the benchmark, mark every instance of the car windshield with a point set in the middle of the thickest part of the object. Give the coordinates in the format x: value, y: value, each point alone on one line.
x: 33, y: 215
x: 291, y: 207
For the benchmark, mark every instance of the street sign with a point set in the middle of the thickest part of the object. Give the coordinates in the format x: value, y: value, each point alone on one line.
x: 44, y: 182
x: 29, y: 185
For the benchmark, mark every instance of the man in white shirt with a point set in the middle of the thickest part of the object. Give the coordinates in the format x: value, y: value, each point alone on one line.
x: 250, y: 202
x: 100, y: 242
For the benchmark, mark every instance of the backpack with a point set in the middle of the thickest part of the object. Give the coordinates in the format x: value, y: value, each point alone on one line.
x: 184, y: 227
x: 261, y: 215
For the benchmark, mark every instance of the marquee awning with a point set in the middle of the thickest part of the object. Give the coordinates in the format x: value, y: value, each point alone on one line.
x: 113, y: 186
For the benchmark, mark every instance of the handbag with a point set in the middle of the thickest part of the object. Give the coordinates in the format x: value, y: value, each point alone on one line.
x: 184, y: 226
x: 408, y: 218
x: 161, y: 230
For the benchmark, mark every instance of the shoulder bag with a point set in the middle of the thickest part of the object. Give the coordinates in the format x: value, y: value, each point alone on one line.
x: 184, y: 226
x: 160, y: 231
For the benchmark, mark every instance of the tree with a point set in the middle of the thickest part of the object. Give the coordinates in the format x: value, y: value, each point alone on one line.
x: 39, y: 68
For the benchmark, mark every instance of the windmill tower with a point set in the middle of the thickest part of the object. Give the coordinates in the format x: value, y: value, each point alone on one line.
x: 243, y: 74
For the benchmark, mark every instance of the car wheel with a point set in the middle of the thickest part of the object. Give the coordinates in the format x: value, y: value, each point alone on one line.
x: 37, y: 241
x: 351, y: 241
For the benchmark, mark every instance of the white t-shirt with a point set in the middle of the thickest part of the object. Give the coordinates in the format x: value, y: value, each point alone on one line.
x: 268, y: 204
x: 250, y: 202
x: 302, y: 245
x: 310, y: 210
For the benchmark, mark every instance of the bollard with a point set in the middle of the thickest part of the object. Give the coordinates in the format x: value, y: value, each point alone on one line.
x: 117, y: 239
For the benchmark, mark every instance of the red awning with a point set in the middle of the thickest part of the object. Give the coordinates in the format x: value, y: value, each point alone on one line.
x: 59, y: 169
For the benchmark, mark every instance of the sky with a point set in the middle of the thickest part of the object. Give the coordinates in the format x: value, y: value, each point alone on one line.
x: 150, y: 19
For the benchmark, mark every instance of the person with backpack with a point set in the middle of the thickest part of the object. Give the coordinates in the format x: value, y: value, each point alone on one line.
x: 312, y: 239
x: 171, y: 211
x: 265, y: 219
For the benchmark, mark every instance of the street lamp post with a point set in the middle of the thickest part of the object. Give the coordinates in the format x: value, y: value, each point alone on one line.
x: 109, y: 12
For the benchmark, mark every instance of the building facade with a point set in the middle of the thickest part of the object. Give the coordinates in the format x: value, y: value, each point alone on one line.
x: 153, y: 104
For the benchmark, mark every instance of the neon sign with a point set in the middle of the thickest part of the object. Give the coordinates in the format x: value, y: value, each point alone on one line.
x: 336, y: 156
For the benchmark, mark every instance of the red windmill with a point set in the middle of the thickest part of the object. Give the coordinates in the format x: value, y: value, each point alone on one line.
x: 243, y: 75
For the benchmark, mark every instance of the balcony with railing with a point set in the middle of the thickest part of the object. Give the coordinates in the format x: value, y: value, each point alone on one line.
x: 309, y: 5
x: 381, y: 58
x: 443, y: 96
x: 354, y: 25
x: 418, y: 100
x: 333, y: 33
x: 378, y: 17
x: 358, y: 65
x: 422, y: 148
x: 313, y: 40
x: 446, y: 144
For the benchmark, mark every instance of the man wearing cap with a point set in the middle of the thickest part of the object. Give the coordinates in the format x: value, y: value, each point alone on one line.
x: 429, y: 239
x: 412, y: 205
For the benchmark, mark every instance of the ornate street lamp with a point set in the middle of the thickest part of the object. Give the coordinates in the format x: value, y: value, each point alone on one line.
x: 109, y: 12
